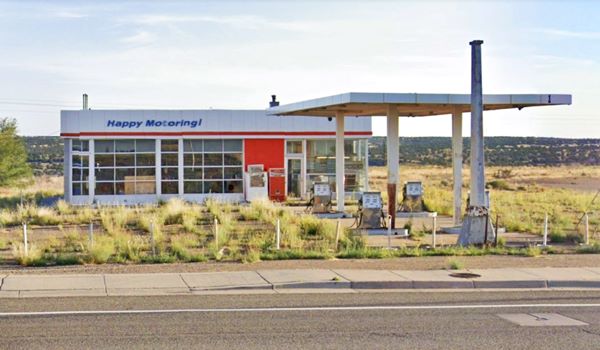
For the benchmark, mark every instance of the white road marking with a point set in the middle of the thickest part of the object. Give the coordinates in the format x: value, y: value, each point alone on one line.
x: 291, y: 309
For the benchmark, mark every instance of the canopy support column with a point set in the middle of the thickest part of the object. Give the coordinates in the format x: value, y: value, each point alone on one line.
x: 393, y: 160
x: 339, y: 161
x: 457, y: 162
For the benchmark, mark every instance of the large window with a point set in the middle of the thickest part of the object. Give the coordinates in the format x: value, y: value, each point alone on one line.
x: 320, y: 163
x: 80, y: 167
x: 125, y: 167
x: 169, y: 166
x: 212, y: 166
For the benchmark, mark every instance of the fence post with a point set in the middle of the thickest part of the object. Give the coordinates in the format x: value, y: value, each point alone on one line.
x: 389, y: 231
x: 546, y: 230
x: 152, y: 242
x: 337, y: 233
x: 91, y: 234
x: 278, y: 233
x: 587, y: 229
x: 216, y: 233
x: 25, y: 243
x: 433, y: 237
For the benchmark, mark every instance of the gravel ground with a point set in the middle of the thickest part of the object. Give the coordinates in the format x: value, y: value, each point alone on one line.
x: 418, y: 263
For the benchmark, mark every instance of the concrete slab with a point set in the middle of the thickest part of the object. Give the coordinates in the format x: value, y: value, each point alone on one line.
x: 53, y: 282
x: 62, y: 293
x: 145, y: 281
x: 434, y: 279
x: 541, y: 320
x: 304, y: 278
x: 314, y: 290
x: 507, y: 278
x: 233, y: 291
x: 595, y: 270
x: 567, y: 277
x: 225, y: 280
x: 147, y: 291
x: 9, y: 294
x: 374, y: 279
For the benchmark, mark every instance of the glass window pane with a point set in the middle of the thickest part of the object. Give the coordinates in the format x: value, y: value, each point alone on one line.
x: 233, y: 158
x: 233, y: 187
x: 192, y: 173
x: 213, y: 173
x: 145, y: 146
x: 213, y: 159
x: 105, y: 188
x: 124, y: 160
x: 76, y: 145
x: 192, y: 159
x: 192, y: 187
x: 76, y: 189
x: 213, y: 145
x: 105, y: 160
x: 233, y: 173
x: 85, y: 146
x: 125, y: 187
x: 127, y: 174
x: 169, y: 145
x: 124, y: 146
x: 169, y: 187
x: 144, y: 159
x: 104, y: 146
x: 76, y: 174
x: 84, y: 161
x: 105, y: 174
x: 145, y: 187
x: 85, y: 189
x: 80, y: 161
x: 213, y: 186
x: 85, y: 174
x: 169, y: 159
x: 145, y: 171
x: 170, y: 173
x: 294, y: 147
x: 192, y: 145
x: 232, y: 145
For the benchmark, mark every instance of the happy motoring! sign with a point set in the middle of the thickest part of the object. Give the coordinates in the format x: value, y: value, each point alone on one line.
x: 153, y: 123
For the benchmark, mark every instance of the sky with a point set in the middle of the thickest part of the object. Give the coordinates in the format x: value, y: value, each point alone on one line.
x: 234, y: 55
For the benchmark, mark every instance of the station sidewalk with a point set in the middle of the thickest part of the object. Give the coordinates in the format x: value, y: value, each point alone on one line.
x: 293, y: 281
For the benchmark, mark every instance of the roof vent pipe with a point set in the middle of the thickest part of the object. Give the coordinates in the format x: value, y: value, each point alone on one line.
x: 85, y: 101
x: 274, y: 102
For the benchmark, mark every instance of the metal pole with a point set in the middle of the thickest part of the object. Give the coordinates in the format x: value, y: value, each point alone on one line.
x: 337, y: 233
x: 91, y: 234
x: 152, y: 242
x: 587, y: 229
x: 389, y: 233
x: 25, y: 243
x: 433, y: 237
x: 216, y: 233
x: 278, y: 234
x: 546, y: 230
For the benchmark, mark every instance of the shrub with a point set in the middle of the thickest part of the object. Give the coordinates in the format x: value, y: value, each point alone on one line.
x: 102, y: 249
x: 63, y: 207
x: 34, y: 257
x: 499, y: 185
x: 456, y: 265
x: 173, y: 211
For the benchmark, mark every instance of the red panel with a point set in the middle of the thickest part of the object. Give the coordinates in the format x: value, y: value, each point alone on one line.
x: 269, y: 152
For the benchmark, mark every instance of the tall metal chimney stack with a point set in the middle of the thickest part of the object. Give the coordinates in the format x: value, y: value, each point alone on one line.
x: 274, y: 102
x: 85, y: 101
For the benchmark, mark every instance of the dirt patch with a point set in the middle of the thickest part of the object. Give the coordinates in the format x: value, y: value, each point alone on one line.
x: 578, y: 183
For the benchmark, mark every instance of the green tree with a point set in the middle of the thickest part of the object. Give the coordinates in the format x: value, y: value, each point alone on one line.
x: 14, y: 169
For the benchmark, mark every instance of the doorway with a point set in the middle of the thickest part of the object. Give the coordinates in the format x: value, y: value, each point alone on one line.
x: 294, y: 178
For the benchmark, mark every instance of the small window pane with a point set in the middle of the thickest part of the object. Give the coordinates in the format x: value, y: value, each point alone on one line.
x: 170, y: 173
x: 192, y: 187
x: 105, y: 160
x: 84, y: 161
x: 85, y: 189
x: 233, y: 187
x: 192, y: 173
x: 125, y: 160
x: 125, y: 146
x: 169, y: 159
x: 145, y: 187
x: 76, y: 189
x: 125, y: 174
x: 105, y: 188
x: 144, y: 159
x: 233, y: 173
x: 76, y: 174
x: 104, y: 146
x: 125, y: 187
x: 192, y: 145
x: 169, y: 187
x: 294, y: 147
x: 213, y: 173
x: 213, y: 186
x: 213, y: 145
x: 213, y: 159
x: 85, y: 146
x: 105, y: 174
x: 233, y: 158
x: 85, y: 174
x: 145, y: 171
x: 80, y: 161
x: 76, y: 145
x: 232, y: 145
x: 169, y: 145
x: 145, y: 146
x: 192, y: 159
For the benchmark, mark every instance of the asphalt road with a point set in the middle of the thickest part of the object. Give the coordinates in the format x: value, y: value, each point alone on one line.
x: 409, y: 320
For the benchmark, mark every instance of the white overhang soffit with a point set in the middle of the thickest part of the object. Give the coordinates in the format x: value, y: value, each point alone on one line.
x: 411, y: 104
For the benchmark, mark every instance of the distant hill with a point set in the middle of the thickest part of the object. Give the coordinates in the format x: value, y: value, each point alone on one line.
x: 46, y: 152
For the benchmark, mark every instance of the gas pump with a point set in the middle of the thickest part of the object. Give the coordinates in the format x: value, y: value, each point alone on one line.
x: 412, y: 197
x: 370, y: 211
x: 321, y: 199
x: 255, y: 180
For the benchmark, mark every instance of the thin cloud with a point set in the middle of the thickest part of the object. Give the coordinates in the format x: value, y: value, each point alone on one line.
x: 569, y: 33
x: 139, y: 38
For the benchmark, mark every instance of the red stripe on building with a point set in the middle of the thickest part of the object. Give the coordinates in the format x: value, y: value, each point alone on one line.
x: 217, y: 133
